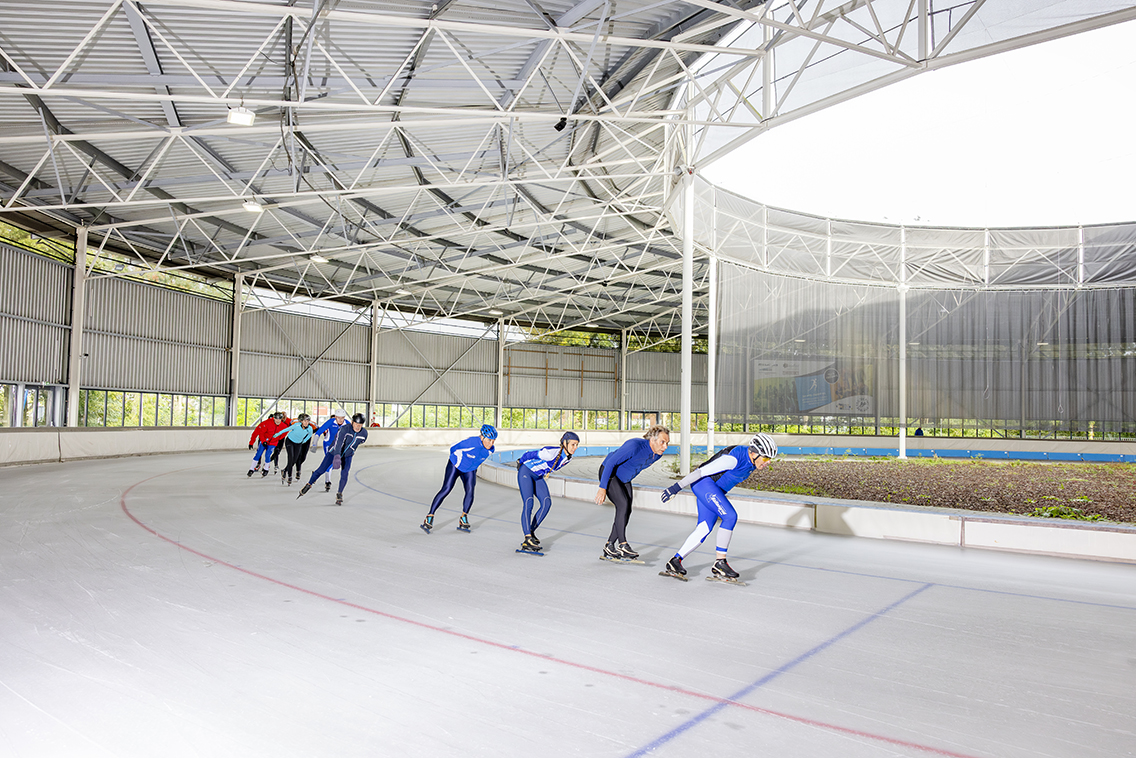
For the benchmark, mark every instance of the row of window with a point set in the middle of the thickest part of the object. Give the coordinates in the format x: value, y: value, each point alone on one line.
x: 104, y: 408
x: 29, y: 406
x: 32, y: 406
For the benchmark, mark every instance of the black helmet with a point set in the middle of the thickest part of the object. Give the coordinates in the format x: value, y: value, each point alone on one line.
x: 358, y: 419
x: 278, y: 414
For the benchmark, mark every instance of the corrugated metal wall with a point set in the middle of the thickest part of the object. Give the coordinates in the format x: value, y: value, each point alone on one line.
x: 552, y: 376
x: 35, y: 317
x: 275, y: 348
x: 146, y: 338
x: 654, y: 382
x: 405, y: 360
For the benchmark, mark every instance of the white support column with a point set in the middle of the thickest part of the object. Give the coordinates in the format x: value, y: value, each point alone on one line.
x: 78, y: 317
x: 924, y: 29
x: 903, y: 343
x: 376, y: 322
x: 235, y: 350
x: 687, y: 308
x: 500, y: 370
x: 622, y: 379
x: 712, y: 357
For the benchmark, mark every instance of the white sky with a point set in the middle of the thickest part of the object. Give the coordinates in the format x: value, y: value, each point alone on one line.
x: 1041, y: 136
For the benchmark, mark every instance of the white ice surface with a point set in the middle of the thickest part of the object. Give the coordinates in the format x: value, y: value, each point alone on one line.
x: 231, y: 619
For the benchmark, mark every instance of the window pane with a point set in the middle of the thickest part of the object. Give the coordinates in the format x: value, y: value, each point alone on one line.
x: 133, y: 404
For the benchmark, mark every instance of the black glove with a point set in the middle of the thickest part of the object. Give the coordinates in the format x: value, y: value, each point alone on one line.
x: 671, y: 491
x: 250, y: 446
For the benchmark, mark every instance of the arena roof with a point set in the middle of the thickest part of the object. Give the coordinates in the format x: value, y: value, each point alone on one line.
x: 513, y: 159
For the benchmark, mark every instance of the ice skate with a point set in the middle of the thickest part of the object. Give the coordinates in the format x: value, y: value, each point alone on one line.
x: 289, y: 481
x: 327, y: 486
x: 721, y: 572
x: 530, y: 546
x: 627, y: 552
x: 304, y: 491
x: 283, y: 480
x: 339, y: 498
x: 463, y: 523
x: 611, y: 552
x: 264, y: 472
x: 251, y: 471
x: 674, y: 568
x: 427, y: 523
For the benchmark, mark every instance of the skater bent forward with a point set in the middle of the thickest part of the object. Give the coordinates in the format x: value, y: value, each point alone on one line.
x: 531, y: 470
x: 710, y: 482
x: 347, y: 441
x: 616, y: 472
x: 465, y: 457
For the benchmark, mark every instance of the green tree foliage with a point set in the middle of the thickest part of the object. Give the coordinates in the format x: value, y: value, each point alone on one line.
x: 111, y: 262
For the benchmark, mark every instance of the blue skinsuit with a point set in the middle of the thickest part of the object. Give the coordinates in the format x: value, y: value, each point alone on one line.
x: 347, y: 442
x: 465, y: 457
x: 710, y: 482
x: 531, y: 470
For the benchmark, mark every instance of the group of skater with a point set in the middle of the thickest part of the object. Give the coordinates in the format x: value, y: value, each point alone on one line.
x: 340, y: 441
x: 709, y: 482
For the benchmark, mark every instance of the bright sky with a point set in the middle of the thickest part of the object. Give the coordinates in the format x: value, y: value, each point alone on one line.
x: 1041, y: 136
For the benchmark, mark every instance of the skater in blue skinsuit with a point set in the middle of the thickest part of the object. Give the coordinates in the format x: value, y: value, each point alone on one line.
x: 710, y: 482
x: 347, y: 441
x: 616, y: 472
x: 532, y: 467
x: 465, y: 457
x: 328, y: 431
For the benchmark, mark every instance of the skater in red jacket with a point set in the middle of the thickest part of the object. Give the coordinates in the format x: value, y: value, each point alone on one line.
x: 262, y: 440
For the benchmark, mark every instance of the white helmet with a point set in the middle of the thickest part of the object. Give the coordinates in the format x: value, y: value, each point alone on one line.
x: 340, y: 412
x: 763, y: 445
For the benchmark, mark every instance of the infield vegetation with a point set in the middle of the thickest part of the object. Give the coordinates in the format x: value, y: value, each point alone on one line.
x: 1082, y: 491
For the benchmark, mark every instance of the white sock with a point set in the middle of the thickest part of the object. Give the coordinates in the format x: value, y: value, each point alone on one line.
x: 694, y: 540
x: 724, y: 536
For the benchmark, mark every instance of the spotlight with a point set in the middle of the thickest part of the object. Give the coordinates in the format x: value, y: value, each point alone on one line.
x: 241, y: 116
x: 559, y: 125
x: 252, y: 206
x: 496, y: 312
x: 402, y: 292
x: 318, y: 259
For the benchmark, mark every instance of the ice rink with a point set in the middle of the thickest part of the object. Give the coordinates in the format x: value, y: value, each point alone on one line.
x: 171, y: 606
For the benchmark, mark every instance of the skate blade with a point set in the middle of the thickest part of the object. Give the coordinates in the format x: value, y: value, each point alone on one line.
x: 680, y: 577
x: 424, y: 528
x: 465, y: 529
x: 725, y: 580
x: 530, y: 552
x: 622, y: 560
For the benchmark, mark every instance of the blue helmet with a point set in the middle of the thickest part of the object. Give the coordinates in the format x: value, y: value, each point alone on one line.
x: 569, y: 437
x: 488, y: 432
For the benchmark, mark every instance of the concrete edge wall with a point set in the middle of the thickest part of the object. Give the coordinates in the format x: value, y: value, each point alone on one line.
x: 939, y: 526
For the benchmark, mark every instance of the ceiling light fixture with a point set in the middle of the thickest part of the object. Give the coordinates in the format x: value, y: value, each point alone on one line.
x: 252, y: 206
x: 318, y: 259
x: 561, y: 124
x: 496, y: 312
x: 241, y: 116
x: 402, y: 292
